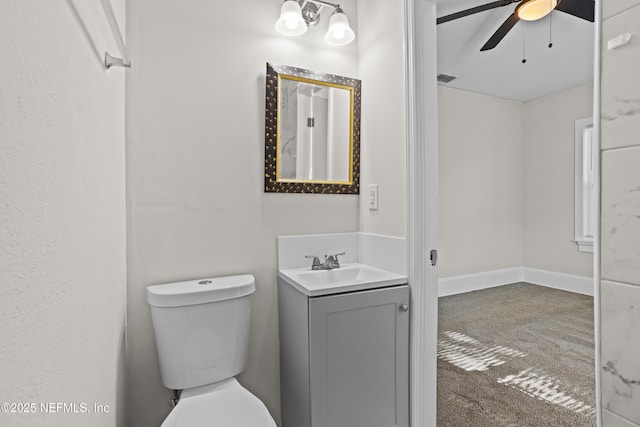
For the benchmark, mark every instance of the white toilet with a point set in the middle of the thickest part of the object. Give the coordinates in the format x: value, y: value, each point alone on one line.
x: 202, y: 336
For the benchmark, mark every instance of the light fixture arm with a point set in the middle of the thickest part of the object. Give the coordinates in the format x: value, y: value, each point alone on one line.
x: 311, y: 10
x: 321, y: 3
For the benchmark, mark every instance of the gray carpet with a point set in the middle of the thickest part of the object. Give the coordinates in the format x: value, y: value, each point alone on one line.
x: 516, y: 355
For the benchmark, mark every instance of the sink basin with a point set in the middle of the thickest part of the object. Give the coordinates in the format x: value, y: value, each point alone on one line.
x: 347, y: 278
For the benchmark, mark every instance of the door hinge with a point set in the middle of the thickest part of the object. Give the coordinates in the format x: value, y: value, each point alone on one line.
x: 433, y: 256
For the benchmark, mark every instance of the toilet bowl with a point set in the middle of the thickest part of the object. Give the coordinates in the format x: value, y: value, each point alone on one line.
x: 226, y: 403
x: 202, y: 337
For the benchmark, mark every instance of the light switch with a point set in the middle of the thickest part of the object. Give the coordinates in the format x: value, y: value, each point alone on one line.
x: 373, y: 197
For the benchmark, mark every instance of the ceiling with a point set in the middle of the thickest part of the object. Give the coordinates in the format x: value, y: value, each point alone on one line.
x: 500, y: 71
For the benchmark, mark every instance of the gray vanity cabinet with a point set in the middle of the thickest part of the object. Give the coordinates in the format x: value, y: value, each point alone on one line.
x: 344, y: 358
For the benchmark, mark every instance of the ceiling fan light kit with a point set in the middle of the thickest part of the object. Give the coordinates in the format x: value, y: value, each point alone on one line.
x: 533, y: 10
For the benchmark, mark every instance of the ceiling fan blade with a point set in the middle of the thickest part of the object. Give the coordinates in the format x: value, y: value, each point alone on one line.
x: 474, y: 10
x: 501, y: 32
x: 584, y: 9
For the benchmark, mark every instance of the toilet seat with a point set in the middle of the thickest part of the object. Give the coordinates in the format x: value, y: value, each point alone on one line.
x: 225, y: 403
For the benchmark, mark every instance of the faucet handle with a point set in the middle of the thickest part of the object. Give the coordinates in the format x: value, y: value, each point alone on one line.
x: 316, y: 261
x: 335, y: 262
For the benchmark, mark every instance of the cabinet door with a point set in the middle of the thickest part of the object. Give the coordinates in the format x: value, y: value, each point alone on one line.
x: 359, y: 359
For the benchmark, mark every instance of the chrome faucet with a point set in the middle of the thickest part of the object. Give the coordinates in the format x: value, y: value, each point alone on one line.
x: 316, y: 262
x: 330, y: 261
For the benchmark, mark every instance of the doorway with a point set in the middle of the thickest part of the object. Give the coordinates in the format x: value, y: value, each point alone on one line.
x: 422, y: 62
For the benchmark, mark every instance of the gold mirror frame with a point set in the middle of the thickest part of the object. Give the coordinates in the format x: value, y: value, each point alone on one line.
x: 272, y: 183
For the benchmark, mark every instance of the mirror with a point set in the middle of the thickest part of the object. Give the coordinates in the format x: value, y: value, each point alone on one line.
x: 312, y: 132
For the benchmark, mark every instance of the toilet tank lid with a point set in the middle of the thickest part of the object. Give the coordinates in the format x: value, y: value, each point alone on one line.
x: 201, y: 291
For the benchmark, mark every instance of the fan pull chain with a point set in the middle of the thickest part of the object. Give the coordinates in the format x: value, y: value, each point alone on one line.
x: 550, y: 40
x: 524, y: 47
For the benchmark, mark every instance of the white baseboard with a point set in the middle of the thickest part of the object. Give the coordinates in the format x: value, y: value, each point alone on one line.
x: 552, y: 279
x: 489, y: 279
x: 476, y: 281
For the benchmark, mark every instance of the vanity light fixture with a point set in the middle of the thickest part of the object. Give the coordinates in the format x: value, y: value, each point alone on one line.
x: 296, y: 16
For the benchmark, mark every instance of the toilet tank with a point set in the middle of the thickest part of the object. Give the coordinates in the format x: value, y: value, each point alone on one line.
x: 201, y: 329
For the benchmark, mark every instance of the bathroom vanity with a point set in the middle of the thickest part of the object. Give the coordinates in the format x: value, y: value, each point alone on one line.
x: 344, y: 347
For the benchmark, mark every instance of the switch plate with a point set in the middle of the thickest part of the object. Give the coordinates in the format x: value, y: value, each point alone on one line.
x: 373, y: 197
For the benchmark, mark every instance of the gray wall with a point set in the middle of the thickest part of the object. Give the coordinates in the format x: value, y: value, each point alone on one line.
x: 549, y: 182
x: 481, y: 182
x: 195, y: 160
x: 620, y: 222
x: 62, y: 213
x: 383, y: 153
x: 507, y: 182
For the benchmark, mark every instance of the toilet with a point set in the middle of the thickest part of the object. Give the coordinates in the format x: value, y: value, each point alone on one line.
x: 202, y: 337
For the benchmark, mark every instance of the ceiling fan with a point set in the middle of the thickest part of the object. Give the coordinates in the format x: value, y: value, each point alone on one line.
x: 528, y: 10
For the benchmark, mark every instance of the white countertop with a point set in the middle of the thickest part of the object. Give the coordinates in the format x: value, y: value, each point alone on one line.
x: 347, y: 278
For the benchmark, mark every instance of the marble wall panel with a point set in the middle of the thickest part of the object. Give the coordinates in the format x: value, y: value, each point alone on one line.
x: 621, y: 215
x: 614, y: 7
x: 620, y: 311
x: 609, y: 419
x: 621, y: 81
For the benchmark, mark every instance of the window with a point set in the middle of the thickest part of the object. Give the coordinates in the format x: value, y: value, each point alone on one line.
x: 585, y: 185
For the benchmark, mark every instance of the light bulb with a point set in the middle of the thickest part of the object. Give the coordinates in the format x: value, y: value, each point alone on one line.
x: 340, y: 33
x: 290, y: 22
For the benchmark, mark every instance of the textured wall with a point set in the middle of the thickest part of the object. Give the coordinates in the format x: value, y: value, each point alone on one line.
x: 506, y: 182
x: 381, y: 63
x: 195, y: 149
x: 549, y: 181
x: 620, y: 221
x: 62, y: 214
x: 481, y: 182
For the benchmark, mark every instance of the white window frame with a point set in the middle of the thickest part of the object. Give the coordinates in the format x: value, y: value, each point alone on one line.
x: 585, y: 185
